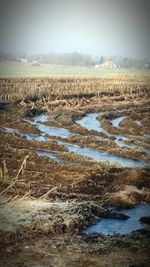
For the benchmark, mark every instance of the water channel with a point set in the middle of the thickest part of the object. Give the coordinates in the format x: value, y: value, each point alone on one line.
x: 90, y: 122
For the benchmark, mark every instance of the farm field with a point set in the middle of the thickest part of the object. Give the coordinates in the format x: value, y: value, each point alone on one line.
x: 75, y: 162
x: 27, y: 69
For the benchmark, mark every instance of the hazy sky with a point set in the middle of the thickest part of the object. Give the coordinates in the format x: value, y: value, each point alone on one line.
x: 98, y: 27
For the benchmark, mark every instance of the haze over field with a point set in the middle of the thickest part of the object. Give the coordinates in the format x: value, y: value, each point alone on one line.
x: 97, y: 27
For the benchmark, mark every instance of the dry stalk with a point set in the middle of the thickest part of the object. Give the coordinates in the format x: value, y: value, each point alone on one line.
x: 1, y: 174
x: 4, y: 175
x: 47, y: 193
x: 8, y: 187
x: 23, y: 167
x: 26, y: 195
x: 13, y: 198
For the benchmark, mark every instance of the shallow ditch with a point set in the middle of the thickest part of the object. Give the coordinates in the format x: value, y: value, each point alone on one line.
x: 89, y: 122
x: 109, y: 226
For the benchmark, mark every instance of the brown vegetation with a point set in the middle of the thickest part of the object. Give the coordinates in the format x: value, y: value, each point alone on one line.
x: 121, y: 86
x: 80, y: 189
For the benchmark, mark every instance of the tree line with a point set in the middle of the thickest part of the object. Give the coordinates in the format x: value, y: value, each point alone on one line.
x: 78, y: 59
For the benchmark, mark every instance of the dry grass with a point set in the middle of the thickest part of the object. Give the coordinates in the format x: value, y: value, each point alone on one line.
x: 125, y: 85
x: 5, y: 179
x: 4, y: 175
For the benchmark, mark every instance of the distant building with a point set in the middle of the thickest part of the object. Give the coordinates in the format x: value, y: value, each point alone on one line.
x: 22, y: 60
x: 108, y: 64
x: 146, y: 66
x: 35, y: 63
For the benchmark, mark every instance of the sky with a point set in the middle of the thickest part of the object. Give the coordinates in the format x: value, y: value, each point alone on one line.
x: 96, y: 27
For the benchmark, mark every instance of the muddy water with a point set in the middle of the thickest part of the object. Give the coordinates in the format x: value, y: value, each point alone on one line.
x: 51, y: 131
x: 51, y: 155
x: 147, y: 135
x: 104, y: 226
x: 30, y: 137
x: 104, y: 156
x: 114, y: 226
x: 89, y: 122
x: 115, y: 122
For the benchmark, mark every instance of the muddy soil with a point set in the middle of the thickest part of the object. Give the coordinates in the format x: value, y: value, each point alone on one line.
x: 44, y: 204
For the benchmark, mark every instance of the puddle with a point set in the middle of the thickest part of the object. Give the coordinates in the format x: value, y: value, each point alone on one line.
x: 51, y: 131
x: 147, y: 135
x: 30, y: 137
x: 115, y: 122
x: 90, y: 122
x: 51, y: 155
x: 115, y: 226
x: 104, y: 156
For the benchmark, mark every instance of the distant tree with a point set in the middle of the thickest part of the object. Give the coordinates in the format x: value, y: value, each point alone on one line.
x: 7, y: 57
x: 128, y: 63
x: 101, y: 61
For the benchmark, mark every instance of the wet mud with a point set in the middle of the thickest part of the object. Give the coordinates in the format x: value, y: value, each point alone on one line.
x: 67, y: 170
